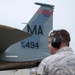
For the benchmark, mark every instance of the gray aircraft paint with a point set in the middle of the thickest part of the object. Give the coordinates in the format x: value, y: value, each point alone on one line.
x: 33, y: 48
x: 45, y: 21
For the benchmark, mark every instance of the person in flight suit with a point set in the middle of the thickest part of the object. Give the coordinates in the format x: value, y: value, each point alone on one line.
x: 62, y: 58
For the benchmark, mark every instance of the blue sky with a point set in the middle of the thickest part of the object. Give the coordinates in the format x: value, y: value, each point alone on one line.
x: 14, y: 12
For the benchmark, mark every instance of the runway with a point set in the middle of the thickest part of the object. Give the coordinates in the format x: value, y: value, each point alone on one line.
x: 15, y: 72
x: 19, y: 72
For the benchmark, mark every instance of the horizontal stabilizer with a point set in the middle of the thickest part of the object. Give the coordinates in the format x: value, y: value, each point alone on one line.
x: 9, y: 36
x: 42, y: 4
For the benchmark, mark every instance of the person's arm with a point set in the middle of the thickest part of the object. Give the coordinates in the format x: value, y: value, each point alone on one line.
x: 61, y: 71
x: 41, y: 68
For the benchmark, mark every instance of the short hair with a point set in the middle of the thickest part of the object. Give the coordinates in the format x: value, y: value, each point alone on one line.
x: 62, y: 34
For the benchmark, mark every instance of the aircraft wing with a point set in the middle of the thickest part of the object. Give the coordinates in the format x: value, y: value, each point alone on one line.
x: 9, y: 36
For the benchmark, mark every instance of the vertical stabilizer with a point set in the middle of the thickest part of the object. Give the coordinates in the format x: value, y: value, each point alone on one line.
x: 39, y: 26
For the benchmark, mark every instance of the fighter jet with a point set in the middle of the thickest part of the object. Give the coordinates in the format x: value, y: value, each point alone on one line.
x: 25, y: 49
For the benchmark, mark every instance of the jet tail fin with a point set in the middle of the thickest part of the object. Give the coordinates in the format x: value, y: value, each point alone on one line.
x: 34, y: 47
x: 39, y: 26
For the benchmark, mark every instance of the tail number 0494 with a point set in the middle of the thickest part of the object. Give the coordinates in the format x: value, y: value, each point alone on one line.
x: 31, y: 45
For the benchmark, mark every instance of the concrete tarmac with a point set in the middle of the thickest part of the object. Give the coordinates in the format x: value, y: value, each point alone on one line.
x: 31, y: 71
x: 16, y: 72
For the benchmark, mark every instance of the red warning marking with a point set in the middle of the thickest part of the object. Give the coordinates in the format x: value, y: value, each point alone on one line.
x: 44, y: 12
